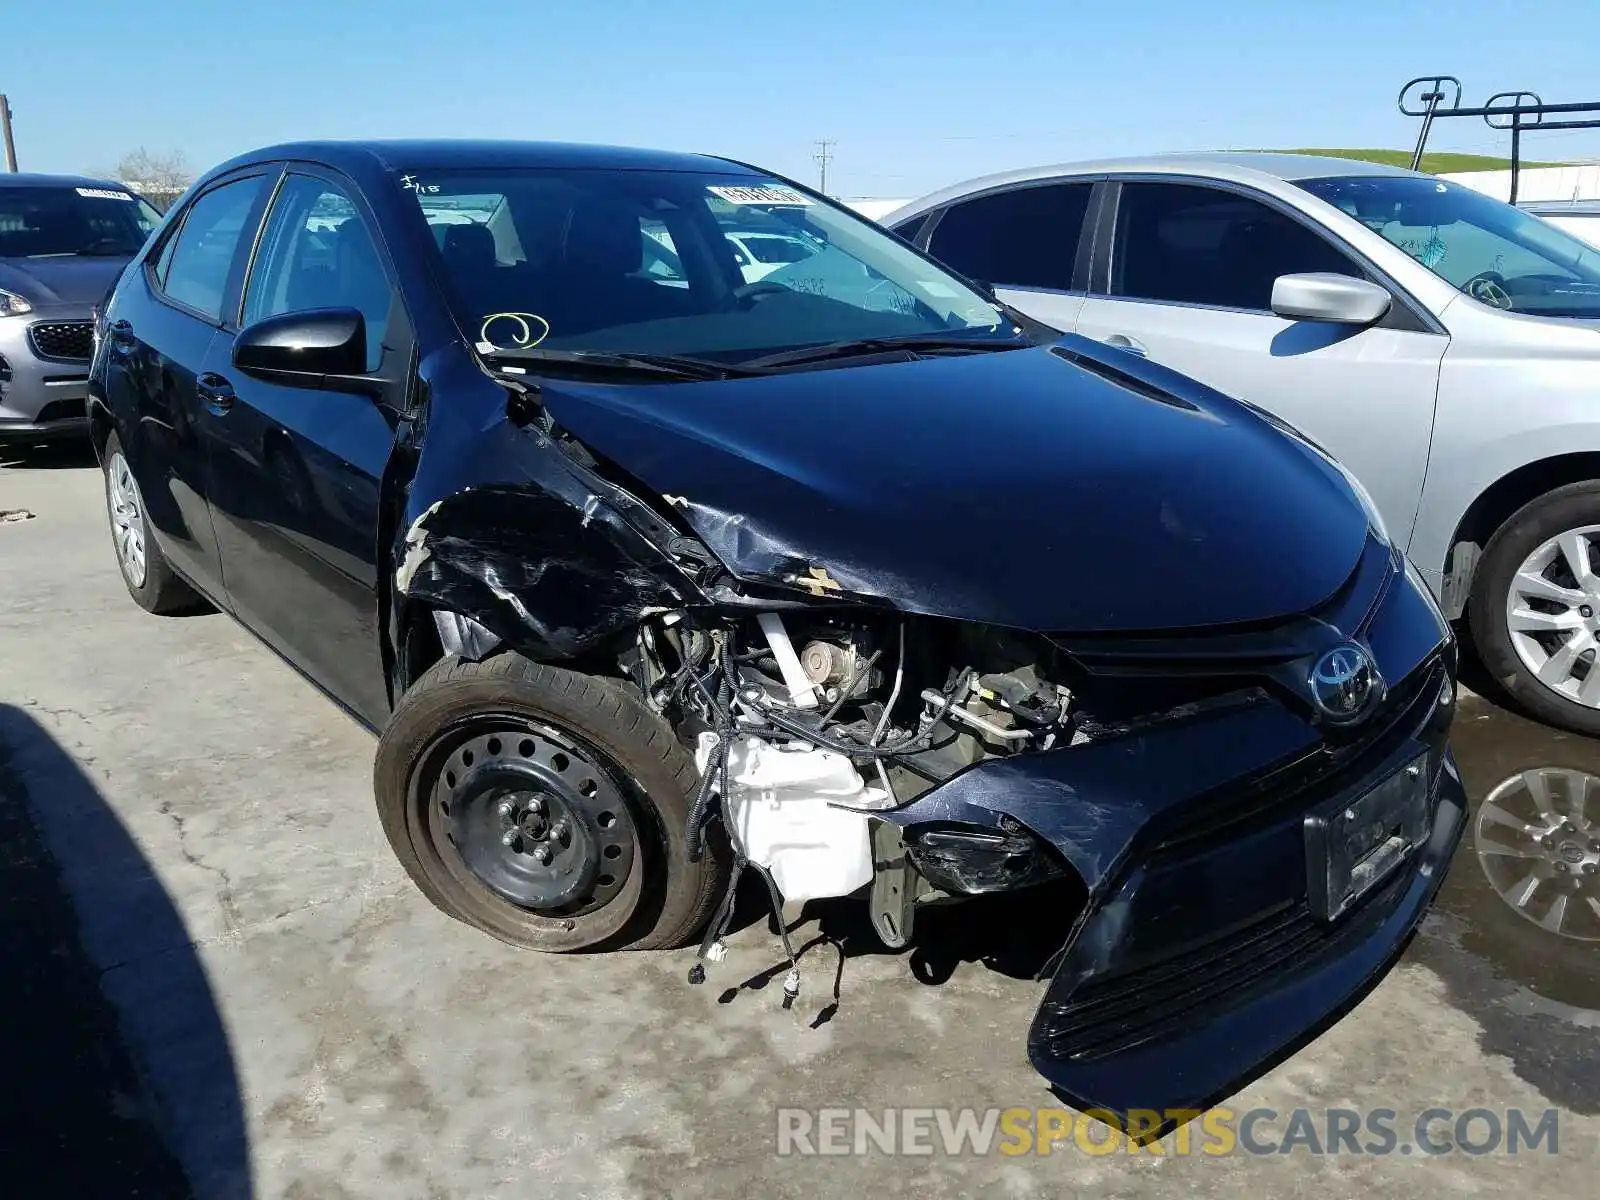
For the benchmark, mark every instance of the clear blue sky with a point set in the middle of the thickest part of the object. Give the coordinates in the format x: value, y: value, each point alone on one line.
x: 917, y: 94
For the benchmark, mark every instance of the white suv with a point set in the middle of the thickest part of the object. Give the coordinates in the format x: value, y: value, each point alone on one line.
x: 1444, y: 345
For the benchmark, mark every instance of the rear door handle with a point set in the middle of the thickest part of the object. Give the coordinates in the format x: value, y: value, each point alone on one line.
x: 1132, y: 345
x: 121, y: 334
x: 215, y: 392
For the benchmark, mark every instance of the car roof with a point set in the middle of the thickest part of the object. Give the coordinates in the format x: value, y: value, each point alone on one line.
x: 1243, y: 166
x: 443, y: 154
x: 32, y: 179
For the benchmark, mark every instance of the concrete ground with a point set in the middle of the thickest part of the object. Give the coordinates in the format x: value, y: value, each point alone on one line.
x: 212, y: 962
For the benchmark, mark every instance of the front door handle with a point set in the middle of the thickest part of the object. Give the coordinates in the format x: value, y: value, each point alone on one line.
x: 215, y: 392
x: 1132, y: 345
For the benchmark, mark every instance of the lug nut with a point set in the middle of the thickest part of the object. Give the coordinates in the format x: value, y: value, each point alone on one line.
x: 536, y: 803
x: 505, y: 808
x: 560, y: 828
x: 542, y: 853
x: 510, y: 837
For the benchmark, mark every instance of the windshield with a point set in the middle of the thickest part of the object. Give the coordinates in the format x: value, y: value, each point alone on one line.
x: 1491, y: 251
x: 725, y: 267
x: 40, y: 222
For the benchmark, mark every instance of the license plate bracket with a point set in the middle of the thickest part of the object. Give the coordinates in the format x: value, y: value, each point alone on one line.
x: 1353, y: 845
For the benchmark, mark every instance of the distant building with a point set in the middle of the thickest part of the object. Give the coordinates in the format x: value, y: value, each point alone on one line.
x: 874, y: 210
x: 1579, y: 181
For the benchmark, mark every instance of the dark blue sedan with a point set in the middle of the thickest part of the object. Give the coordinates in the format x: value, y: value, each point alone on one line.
x: 651, y: 574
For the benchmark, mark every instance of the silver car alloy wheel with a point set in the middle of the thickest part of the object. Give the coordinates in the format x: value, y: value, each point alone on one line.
x: 1553, y: 614
x: 127, y: 519
x: 1540, y: 850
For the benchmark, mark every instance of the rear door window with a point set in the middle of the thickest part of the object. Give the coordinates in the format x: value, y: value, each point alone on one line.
x: 1026, y: 237
x: 193, y: 268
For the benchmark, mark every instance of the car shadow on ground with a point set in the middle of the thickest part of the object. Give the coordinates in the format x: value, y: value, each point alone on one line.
x: 114, y: 1060
x: 63, y: 455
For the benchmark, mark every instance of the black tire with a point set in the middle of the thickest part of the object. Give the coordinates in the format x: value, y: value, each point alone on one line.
x: 663, y: 901
x: 1570, y: 507
x: 160, y: 590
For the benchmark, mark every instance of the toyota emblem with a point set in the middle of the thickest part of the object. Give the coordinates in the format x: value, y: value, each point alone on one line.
x: 1345, y: 684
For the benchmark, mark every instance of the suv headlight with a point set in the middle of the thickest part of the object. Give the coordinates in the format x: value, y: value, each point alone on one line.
x: 12, y: 304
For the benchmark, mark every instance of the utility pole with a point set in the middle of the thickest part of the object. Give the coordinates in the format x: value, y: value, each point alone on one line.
x: 5, y: 127
x: 823, y: 156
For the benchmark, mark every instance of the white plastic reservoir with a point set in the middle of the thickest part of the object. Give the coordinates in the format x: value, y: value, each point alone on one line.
x: 780, y: 809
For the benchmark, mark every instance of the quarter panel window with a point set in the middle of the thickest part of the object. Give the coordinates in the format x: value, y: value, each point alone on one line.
x: 1200, y: 245
x: 1027, y: 237
x: 194, y: 267
x: 317, y: 252
x: 908, y: 230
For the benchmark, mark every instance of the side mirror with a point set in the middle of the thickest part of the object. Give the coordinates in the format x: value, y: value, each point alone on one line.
x: 1325, y: 296
x: 320, y: 347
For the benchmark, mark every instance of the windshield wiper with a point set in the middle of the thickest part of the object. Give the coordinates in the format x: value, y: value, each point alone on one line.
x: 669, y: 366
x: 880, y: 345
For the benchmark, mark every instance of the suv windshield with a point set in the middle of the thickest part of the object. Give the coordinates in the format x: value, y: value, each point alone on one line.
x: 1491, y: 251
x: 660, y: 262
x: 40, y: 222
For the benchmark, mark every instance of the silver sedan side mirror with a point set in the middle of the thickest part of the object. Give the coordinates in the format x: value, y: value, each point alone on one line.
x: 1325, y: 296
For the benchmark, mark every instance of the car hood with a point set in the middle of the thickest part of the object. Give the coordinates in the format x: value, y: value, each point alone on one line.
x: 1060, y: 489
x: 61, y: 280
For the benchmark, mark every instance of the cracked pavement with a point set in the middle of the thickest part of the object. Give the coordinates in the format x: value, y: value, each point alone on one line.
x: 241, y: 980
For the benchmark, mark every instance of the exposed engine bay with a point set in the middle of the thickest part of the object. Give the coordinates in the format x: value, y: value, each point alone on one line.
x: 805, y: 725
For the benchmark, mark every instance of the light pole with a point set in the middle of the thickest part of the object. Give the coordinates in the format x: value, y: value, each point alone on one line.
x: 5, y: 127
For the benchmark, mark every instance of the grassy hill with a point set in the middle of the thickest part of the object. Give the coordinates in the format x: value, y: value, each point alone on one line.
x: 1437, y: 162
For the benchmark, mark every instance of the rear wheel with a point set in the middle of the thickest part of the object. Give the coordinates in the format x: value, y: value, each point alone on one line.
x: 545, y: 807
x: 151, y: 581
x: 1535, y: 607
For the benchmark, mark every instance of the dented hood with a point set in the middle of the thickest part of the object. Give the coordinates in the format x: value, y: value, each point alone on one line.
x: 1072, y: 488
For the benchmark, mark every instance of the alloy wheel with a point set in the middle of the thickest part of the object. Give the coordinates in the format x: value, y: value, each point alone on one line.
x: 127, y: 519
x: 1540, y: 849
x: 1553, y: 614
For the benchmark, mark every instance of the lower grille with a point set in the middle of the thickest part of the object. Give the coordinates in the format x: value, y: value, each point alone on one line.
x: 1103, y: 1016
x: 64, y: 341
x: 59, y: 410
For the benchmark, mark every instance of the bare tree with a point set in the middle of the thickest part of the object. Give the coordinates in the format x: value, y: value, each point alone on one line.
x: 159, y: 176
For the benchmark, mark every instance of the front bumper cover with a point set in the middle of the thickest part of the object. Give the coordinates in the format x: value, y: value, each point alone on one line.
x: 1195, y: 962
x: 41, y: 397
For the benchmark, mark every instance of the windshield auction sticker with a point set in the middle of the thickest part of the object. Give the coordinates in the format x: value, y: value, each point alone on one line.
x: 760, y: 195
x: 103, y: 194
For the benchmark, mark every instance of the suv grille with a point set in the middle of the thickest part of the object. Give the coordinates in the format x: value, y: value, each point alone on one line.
x: 65, y: 341
x: 59, y: 410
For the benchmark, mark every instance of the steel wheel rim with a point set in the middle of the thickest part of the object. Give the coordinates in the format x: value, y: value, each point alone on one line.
x: 1553, y: 615
x: 1540, y: 849
x: 127, y: 519
x: 502, y: 790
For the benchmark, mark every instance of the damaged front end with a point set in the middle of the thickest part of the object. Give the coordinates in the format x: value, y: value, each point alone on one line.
x: 1245, y: 866
x: 875, y: 711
